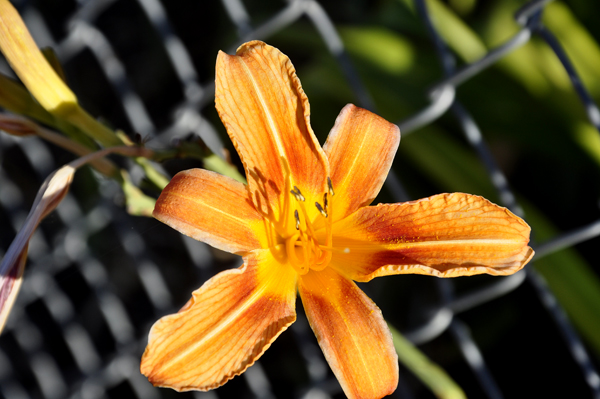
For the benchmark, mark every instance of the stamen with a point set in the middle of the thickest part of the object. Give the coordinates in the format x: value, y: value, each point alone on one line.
x: 297, y: 219
x: 306, y: 249
x: 320, y: 208
x: 312, y: 255
x: 327, y: 249
x: 309, y: 226
x: 297, y: 194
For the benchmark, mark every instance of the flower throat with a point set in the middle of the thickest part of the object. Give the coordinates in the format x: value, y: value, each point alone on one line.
x: 303, y: 249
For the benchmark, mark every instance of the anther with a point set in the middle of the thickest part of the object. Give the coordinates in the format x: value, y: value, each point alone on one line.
x: 330, y: 186
x: 325, y: 204
x: 297, y: 194
x: 297, y: 219
x: 320, y: 208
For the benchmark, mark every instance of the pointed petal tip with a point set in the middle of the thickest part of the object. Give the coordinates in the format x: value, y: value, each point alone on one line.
x: 524, y: 257
x: 446, y: 235
x: 161, y: 378
x: 226, y: 326
x: 360, y: 148
x: 260, y: 100
x: 197, y: 200
x: 352, y: 333
x: 250, y: 45
x: 352, y: 109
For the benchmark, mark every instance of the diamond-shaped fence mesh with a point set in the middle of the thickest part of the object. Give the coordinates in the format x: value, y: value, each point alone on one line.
x: 97, y: 278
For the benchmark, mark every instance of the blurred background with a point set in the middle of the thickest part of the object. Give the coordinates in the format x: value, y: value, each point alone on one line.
x: 487, y: 102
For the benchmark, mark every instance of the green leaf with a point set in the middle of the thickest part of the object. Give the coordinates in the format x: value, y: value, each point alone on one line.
x: 457, y: 34
x: 15, y: 98
x: 432, y: 375
x: 577, y: 42
x: 138, y: 203
x: 386, y: 49
x: 219, y: 165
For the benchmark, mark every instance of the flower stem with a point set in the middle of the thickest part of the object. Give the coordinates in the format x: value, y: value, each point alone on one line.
x: 84, y: 121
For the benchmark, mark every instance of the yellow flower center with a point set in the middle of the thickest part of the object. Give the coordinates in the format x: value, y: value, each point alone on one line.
x: 303, y: 250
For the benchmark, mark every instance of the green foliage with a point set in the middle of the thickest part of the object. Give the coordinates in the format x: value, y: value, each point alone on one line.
x: 430, y: 373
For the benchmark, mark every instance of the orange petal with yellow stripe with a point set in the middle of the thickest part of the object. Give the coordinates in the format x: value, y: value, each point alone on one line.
x: 352, y: 334
x: 360, y: 148
x: 211, y: 208
x: 266, y: 113
x: 226, y: 326
x: 446, y: 235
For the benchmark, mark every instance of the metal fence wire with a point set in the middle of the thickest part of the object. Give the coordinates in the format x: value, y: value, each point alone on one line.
x: 97, y: 278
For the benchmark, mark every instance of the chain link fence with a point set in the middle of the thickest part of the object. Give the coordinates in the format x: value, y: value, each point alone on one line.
x: 98, y: 278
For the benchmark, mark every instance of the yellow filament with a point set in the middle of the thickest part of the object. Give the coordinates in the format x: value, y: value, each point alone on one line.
x: 314, y: 255
x: 326, y: 254
x: 306, y: 219
x: 306, y: 248
x: 311, y: 232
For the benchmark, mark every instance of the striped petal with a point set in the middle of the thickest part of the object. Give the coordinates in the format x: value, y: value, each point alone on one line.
x: 197, y: 201
x: 446, y: 235
x: 261, y: 103
x: 226, y: 326
x: 360, y: 148
x: 352, y: 334
x: 10, y: 284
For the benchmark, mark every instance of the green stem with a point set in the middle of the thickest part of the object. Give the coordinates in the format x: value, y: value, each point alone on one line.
x: 159, y: 180
x: 77, y: 116
x: 14, y: 97
x: 211, y: 161
x: 219, y: 165
x: 432, y: 375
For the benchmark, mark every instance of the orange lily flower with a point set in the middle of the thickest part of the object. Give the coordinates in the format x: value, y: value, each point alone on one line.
x: 303, y: 224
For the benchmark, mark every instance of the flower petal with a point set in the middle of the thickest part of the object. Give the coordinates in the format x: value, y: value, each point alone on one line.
x: 360, y: 148
x: 49, y: 196
x: 352, y: 334
x: 446, y: 235
x: 226, y: 326
x: 261, y: 103
x: 10, y: 284
x: 211, y: 208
